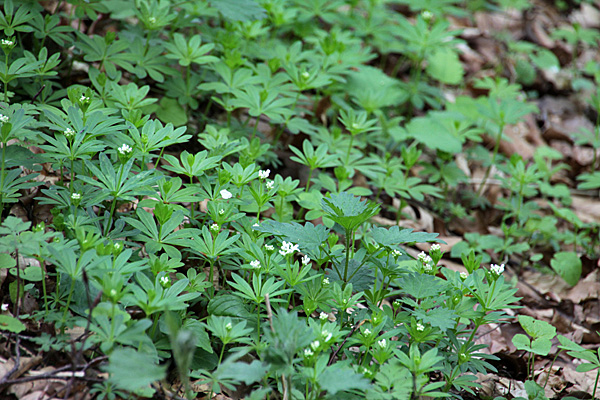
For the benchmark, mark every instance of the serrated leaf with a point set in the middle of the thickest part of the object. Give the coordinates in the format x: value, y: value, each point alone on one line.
x: 171, y: 111
x: 567, y: 265
x: 392, y: 236
x: 240, y: 371
x: 340, y: 378
x: 361, y: 277
x: 239, y: 10
x: 442, y: 318
x: 445, y: 66
x: 308, y: 237
x: 125, y: 370
x: 421, y: 286
x: 348, y: 210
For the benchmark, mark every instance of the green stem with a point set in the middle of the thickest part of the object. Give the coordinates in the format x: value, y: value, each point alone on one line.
x: 2, y: 180
x: 64, y: 317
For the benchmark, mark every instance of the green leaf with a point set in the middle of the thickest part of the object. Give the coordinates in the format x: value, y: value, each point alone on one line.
x: 421, y: 286
x: 6, y: 261
x: 308, y: 237
x: 11, y: 324
x: 536, y: 328
x: 445, y: 66
x: 240, y: 371
x: 131, y: 370
x: 360, y: 276
x: 228, y: 305
x: 567, y: 265
x: 239, y: 10
x: 171, y: 111
x: 348, y: 210
x: 394, y: 235
x: 338, y: 378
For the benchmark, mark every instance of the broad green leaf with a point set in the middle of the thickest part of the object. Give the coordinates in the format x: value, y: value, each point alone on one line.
x: 170, y: 110
x: 239, y: 10
x: 11, y: 324
x: 536, y: 328
x: 445, y: 66
x: 567, y: 265
x: 348, y: 210
x: 421, y: 286
x: 308, y: 237
x: 126, y: 372
x: 338, y: 378
x: 228, y: 305
x: 6, y: 261
x: 394, y: 235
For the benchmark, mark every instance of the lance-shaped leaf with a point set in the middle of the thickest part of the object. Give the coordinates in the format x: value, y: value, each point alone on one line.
x: 394, y: 235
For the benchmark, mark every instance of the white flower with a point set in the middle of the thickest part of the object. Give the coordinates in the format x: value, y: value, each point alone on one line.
x: 315, y: 345
x: 269, y: 247
x: 396, y: 253
x: 397, y: 303
x: 326, y: 335
x: 326, y: 281
x: 264, y: 174
x: 421, y: 256
x: 305, y: 260
x: 382, y: 343
x: 124, y: 149
x: 164, y: 280
x: 76, y: 196
x: 308, y: 353
x: 255, y: 264
x: 464, y: 275
x: 69, y: 133
x: 305, y: 75
x: 226, y: 194
x: 83, y: 98
x: 117, y: 246
x: 427, y: 267
x: 229, y: 326
x: 427, y: 15
x: 255, y: 225
x: 435, y: 247
x: 288, y: 248
x: 497, y: 269
x: 367, y: 332
x: 5, y: 307
x: 323, y: 316
x: 221, y: 211
x: 214, y: 227
x: 7, y: 42
x: 270, y: 184
x: 3, y: 118
x: 420, y: 327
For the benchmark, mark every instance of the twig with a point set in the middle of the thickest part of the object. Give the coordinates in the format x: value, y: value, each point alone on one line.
x: 334, y: 354
x: 270, y: 317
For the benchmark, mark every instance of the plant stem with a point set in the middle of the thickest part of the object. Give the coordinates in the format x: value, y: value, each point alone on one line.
x: 489, y: 168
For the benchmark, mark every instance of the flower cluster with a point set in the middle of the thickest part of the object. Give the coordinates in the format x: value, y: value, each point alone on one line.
x: 426, y: 261
x: 226, y: 194
x: 124, y: 150
x: 288, y: 248
x: 255, y: 264
x: 69, y: 133
x: 305, y: 260
x: 497, y: 269
x: 270, y: 185
x: 3, y: 118
x: 264, y: 174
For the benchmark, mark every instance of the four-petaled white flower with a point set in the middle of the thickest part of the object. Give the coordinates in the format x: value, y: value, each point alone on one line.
x: 76, y: 196
x: 264, y: 173
x: 288, y: 248
x: 315, y: 345
x: 83, y: 98
x: 4, y: 307
x: 255, y: 264
x: 305, y: 75
x: 326, y: 281
x: 323, y: 316
x: 3, y: 118
x: 497, y: 269
x: 117, y: 246
x: 221, y: 211
x: 427, y: 267
x: 327, y: 335
x: 69, y: 133
x: 229, y: 326
x: 435, y: 247
x: 464, y: 275
x: 270, y: 184
x: 308, y: 353
x: 164, y: 280
x: 124, y: 149
x: 396, y: 253
x: 420, y: 327
x: 382, y: 343
x: 226, y: 194
x: 214, y: 227
x: 7, y: 42
x: 305, y: 260
x: 367, y: 332
x: 269, y: 247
